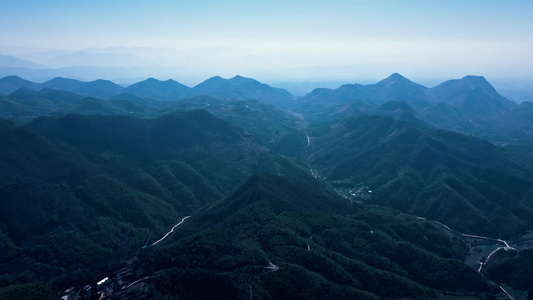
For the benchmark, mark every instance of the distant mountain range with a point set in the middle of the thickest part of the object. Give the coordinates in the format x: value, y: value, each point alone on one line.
x: 7, y: 61
x: 462, y: 93
x: 236, y: 87
x: 89, y: 59
x: 469, y: 105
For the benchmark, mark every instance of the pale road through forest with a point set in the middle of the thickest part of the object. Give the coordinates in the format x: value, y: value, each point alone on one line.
x: 171, y: 230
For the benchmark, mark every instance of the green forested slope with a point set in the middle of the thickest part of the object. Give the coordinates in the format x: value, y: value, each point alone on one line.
x: 317, y: 202
x: 78, y: 191
x: 460, y: 180
x: 316, y: 244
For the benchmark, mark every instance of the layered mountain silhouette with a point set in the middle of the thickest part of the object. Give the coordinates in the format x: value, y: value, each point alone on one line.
x: 236, y: 87
x: 471, y: 94
x: 469, y: 105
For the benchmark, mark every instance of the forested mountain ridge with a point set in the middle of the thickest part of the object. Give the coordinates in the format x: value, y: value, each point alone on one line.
x: 276, y: 128
x: 236, y: 87
x: 104, y: 181
x: 469, y: 105
x: 463, y: 181
x: 295, y: 237
x: 342, y: 193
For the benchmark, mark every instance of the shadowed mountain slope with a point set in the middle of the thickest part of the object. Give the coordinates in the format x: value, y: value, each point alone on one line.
x: 94, y: 106
x: 294, y: 237
x: 265, y: 121
x: 104, y: 182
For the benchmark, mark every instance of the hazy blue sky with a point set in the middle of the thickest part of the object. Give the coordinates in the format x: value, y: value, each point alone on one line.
x: 414, y: 37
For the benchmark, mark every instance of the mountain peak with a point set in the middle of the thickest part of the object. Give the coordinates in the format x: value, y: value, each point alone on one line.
x: 208, y: 84
x: 396, y: 76
x: 103, y: 81
x: 475, y: 77
x: 23, y: 91
x: 61, y: 83
x: 152, y: 79
x: 467, y: 83
x: 155, y: 88
x: 11, y: 83
x: 478, y: 81
x: 473, y: 95
x: 238, y: 77
x: 216, y: 78
x: 240, y: 80
x: 395, y: 79
x: 12, y: 78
